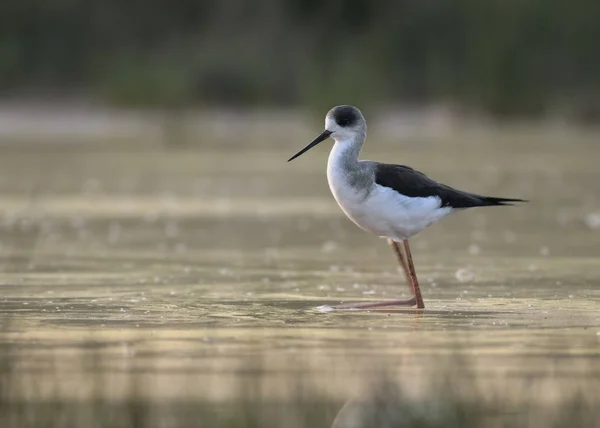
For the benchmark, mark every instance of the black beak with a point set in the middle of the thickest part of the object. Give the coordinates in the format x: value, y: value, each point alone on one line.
x: 324, y: 135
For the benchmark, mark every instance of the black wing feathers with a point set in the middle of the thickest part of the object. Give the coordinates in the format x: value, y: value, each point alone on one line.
x: 412, y: 183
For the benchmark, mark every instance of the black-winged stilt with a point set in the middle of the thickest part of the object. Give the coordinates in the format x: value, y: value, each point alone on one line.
x: 392, y: 201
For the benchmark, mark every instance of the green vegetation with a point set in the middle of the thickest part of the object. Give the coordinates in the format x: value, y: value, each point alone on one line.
x: 506, y: 57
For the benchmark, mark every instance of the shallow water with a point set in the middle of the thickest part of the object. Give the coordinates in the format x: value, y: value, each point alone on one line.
x: 183, y: 265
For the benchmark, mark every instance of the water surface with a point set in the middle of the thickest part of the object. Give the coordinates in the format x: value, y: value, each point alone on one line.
x: 197, y: 268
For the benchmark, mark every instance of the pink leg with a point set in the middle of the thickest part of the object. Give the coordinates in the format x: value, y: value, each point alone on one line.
x: 407, y: 302
x: 402, y: 262
x: 413, y: 275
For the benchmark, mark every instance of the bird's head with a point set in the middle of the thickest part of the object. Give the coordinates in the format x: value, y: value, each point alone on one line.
x: 342, y: 123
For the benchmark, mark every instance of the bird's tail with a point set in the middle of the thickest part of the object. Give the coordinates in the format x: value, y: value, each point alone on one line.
x: 491, y: 201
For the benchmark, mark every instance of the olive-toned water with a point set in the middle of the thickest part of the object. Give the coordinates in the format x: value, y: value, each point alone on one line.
x: 196, y: 269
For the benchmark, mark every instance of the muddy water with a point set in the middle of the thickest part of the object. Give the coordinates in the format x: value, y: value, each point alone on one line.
x: 182, y: 266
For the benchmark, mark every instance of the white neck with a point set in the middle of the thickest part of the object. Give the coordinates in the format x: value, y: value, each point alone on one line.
x: 342, y: 166
x: 344, y: 153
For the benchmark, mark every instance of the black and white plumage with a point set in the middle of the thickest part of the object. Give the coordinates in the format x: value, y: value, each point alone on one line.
x: 392, y: 201
x: 410, y: 182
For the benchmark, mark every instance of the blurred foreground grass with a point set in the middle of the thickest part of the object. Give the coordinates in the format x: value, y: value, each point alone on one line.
x: 449, y: 398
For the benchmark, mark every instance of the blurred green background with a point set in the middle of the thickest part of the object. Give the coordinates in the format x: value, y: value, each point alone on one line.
x: 500, y: 57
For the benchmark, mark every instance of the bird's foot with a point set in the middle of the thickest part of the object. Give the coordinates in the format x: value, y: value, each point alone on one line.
x: 368, y: 305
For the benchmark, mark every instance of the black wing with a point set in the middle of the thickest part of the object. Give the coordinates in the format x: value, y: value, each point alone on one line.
x: 412, y: 183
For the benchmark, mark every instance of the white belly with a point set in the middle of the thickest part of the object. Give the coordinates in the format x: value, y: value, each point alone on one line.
x: 385, y: 212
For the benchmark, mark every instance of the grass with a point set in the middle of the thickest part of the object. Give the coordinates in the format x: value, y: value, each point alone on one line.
x: 452, y: 400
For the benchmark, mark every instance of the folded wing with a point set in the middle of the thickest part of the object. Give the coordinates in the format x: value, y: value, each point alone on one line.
x: 413, y: 183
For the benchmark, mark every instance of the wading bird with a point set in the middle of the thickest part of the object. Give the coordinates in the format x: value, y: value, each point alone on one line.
x: 391, y: 201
